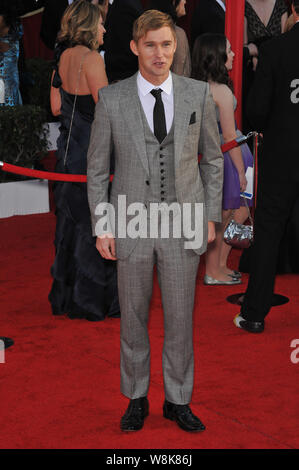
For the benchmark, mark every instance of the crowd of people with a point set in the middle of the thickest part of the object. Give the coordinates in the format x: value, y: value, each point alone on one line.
x: 147, y: 128
x: 85, y: 284
x: 212, y: 60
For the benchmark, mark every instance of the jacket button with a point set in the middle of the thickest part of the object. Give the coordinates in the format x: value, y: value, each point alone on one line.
x: 147, y: 182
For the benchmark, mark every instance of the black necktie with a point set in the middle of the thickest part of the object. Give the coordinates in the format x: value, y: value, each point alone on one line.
x: 160, y: 130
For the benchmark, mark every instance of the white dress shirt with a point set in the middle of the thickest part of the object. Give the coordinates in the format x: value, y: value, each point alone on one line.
x: 148, y: 101
x: 221, y: 4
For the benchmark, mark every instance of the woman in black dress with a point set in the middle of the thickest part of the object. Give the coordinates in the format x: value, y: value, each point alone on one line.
x: 264, y: 20
x: 84, y: 285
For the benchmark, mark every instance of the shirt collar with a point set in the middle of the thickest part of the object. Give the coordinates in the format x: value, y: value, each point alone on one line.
x: 146, y: 87
x: 111, y: 1
x: 221, y: 4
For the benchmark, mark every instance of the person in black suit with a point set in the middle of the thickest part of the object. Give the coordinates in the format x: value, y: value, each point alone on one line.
x: 51, y: 19
x: 27, y: 6
x: 119, y: 59
x: 208, y: 17
x: 273, y: 108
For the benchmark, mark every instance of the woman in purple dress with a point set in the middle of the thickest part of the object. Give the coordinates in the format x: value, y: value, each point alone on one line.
x: 212, y: 59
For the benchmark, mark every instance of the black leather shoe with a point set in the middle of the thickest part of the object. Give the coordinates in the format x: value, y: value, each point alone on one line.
x: 250, y: 326
x: 133, y: 418
x: 183, y: 416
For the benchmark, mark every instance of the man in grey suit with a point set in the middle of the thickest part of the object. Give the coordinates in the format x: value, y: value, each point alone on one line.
x: 156, y: 123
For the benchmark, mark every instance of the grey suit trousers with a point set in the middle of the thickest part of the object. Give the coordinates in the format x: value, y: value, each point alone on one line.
x: 177, y: 269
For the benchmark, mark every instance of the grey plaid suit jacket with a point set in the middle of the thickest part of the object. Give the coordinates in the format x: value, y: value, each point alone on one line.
x: 118, y: 126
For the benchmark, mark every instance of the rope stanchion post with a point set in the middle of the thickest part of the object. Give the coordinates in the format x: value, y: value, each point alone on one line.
x: 256, y: 144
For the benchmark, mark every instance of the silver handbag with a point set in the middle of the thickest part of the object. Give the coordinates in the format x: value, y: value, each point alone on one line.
x: 239, y: 235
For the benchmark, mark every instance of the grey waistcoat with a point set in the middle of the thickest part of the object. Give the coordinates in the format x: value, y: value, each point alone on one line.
x: 161, y: 183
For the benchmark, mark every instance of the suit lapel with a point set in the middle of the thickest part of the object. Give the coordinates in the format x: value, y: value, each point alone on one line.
x: 130, y: 107
x: 182, y: 112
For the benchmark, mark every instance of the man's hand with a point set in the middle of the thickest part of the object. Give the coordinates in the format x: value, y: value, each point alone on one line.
x: 211, y: 232
x: 105, y: 245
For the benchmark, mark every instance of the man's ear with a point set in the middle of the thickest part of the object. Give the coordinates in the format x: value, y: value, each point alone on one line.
x: 133, y: 47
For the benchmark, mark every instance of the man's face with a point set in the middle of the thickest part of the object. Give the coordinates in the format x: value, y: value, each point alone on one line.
x: 155, y: 53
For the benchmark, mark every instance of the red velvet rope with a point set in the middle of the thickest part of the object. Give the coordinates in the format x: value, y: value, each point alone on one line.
x: 46, y: 175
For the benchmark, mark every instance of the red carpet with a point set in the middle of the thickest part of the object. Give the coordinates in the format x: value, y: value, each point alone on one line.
x: 60, y: 382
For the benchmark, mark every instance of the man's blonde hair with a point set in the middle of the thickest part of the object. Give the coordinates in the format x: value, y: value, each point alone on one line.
x: 79, y: 24
x: 151, y: 20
